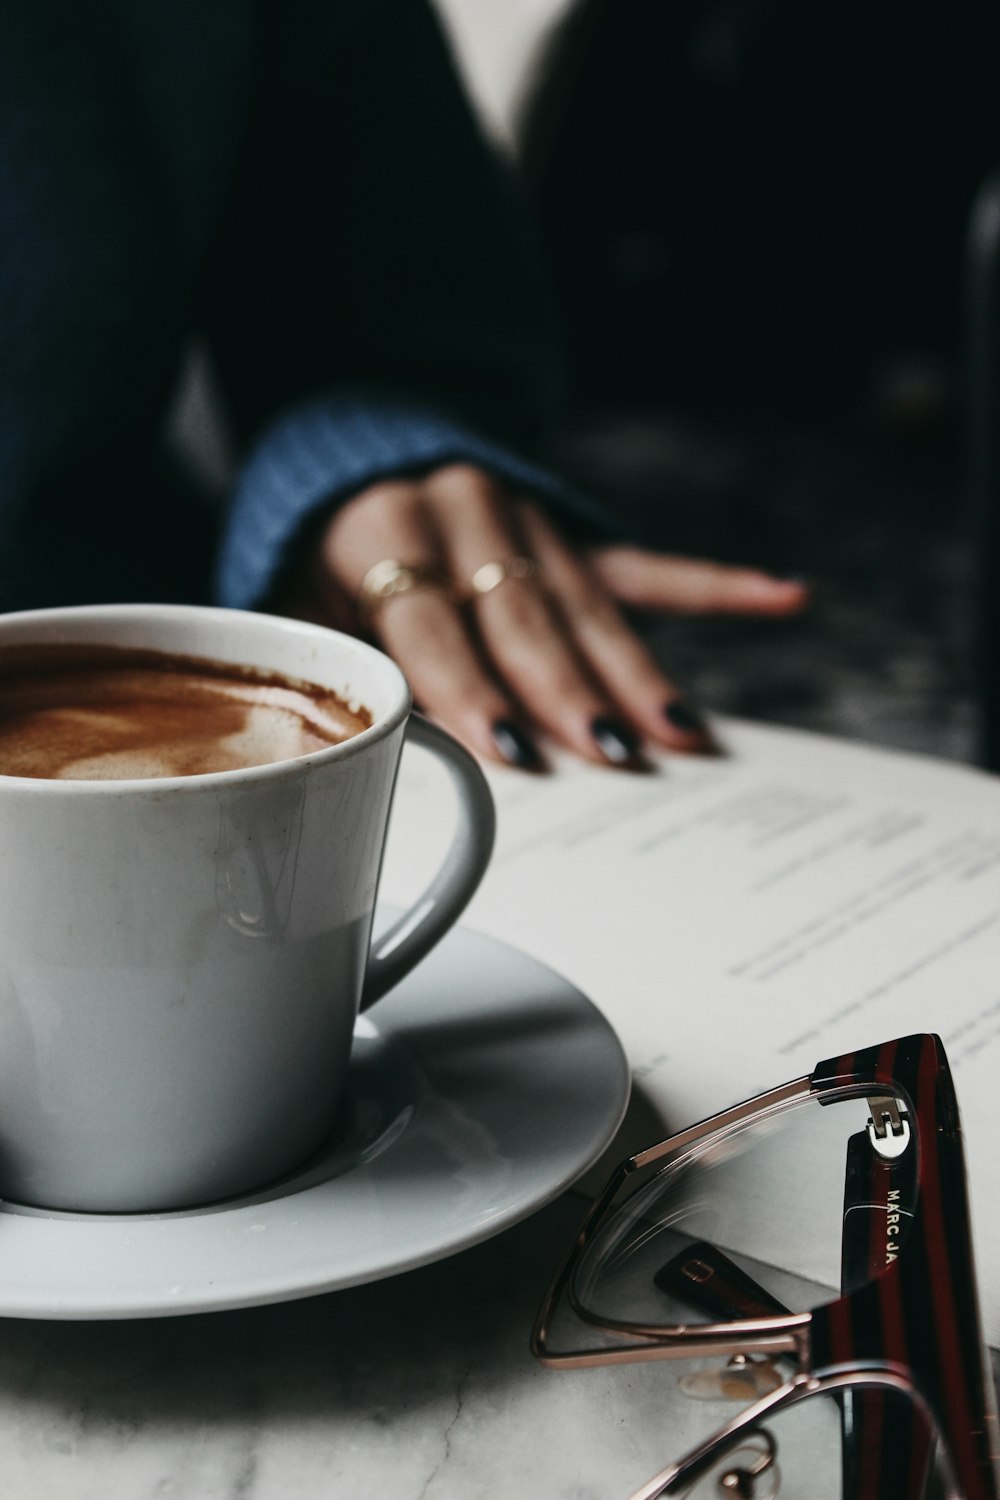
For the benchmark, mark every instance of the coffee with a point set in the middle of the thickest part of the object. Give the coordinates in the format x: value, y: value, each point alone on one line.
x: 96, y: 713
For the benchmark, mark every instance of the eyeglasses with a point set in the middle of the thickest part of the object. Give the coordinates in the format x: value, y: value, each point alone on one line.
x: 862, y: 1372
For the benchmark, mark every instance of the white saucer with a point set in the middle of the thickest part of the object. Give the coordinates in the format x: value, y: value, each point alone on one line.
x: 480, y: 1089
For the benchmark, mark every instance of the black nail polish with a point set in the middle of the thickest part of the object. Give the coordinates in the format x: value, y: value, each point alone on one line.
x: 616, y: 741
x: 684, y: 716
x: 516, y: 746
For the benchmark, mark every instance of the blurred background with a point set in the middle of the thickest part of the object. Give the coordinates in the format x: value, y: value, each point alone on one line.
x: 772, y: 238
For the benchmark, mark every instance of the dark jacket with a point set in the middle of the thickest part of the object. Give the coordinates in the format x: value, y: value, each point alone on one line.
x: 300, y: 186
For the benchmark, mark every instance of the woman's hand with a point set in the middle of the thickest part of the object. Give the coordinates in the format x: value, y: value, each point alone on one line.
x: 549, y: 651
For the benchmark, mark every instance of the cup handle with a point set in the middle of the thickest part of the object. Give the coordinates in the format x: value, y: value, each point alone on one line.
x: 417, y: 930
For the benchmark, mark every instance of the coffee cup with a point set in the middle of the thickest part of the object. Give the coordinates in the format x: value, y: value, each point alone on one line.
x: 183, y: 957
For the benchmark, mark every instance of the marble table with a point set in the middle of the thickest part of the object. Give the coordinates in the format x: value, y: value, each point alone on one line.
x: 421, y: 1387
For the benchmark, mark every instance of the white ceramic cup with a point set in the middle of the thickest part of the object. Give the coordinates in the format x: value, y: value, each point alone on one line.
x: 182, y: 960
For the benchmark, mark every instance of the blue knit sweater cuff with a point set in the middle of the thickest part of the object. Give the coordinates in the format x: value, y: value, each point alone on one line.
x: 323, y: 452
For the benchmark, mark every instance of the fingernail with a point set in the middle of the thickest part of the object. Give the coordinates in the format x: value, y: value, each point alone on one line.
x: 516, y: 746
x: 616, y: 741
x: 796, y: 578
x: 684, y: 716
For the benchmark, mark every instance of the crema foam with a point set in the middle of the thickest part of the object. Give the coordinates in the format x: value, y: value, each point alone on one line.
x: 98, y: 713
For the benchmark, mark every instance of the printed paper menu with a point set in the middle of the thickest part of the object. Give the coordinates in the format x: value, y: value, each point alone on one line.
x: 741, y: 918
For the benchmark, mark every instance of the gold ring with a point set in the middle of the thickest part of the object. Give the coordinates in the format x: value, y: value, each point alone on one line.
x: 492, y: 574
x: 389, y: 577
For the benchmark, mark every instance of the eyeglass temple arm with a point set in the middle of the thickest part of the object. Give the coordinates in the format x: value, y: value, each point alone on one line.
x: 934, y: 1273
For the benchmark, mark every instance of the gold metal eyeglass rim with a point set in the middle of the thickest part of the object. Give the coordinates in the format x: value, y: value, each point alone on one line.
x: 801, y: 1387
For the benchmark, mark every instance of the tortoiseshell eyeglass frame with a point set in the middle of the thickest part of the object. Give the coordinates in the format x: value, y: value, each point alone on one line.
x: 912, y: 1327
